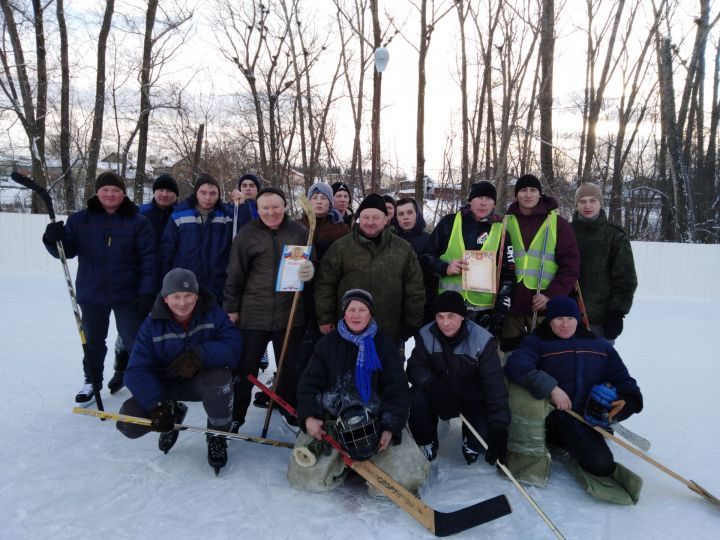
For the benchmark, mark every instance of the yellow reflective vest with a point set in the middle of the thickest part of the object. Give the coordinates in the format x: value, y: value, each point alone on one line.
x: 528, y: 263
x: 454, y: 251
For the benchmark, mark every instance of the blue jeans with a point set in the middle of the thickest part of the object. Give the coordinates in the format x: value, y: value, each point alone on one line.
x: 95, y: 323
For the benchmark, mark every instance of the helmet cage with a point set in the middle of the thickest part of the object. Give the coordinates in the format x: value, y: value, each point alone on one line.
x: 358, y: 432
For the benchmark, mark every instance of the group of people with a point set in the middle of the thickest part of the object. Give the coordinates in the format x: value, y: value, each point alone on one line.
x: 193, y: 289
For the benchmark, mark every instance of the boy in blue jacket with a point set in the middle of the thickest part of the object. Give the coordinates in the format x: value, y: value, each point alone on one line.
x: 184, y: 350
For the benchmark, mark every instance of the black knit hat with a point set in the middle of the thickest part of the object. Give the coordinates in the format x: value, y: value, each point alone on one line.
x: 341, y: 186
x: 482, y: 189
x: 389, y: 199
x: 253, y: 178
x: 562, y: 306
x: 165, y: 181
x: 373, y: 201
x: 450, y: 301
x: 109, y: 178
x: 205, y: 178
x: 276, y: 191
x: 179, y: 280
x: 361, y: 296
x: 528, y: 180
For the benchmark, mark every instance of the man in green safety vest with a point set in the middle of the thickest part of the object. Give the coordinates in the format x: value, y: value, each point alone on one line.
x: 547, y: 260
x: 474, y: 227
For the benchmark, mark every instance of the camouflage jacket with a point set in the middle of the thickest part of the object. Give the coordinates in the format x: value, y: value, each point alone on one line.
x: 389, y: 271
x: 607, y: 268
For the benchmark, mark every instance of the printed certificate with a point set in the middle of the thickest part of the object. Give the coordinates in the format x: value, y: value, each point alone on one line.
x: 480, y: 274
x: 292, y: 258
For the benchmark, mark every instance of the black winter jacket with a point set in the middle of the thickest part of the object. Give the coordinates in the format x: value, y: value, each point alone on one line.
x: 469, y: 364
x: 328, y: 383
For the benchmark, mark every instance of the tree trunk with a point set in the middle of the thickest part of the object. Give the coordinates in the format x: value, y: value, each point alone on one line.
x: 377, y: 88
x: 144, y: 119
x: 545, y: 95
x: 420, y: 120
x: 465, y: 157
x: 65, y: 110
x: 97, y: 125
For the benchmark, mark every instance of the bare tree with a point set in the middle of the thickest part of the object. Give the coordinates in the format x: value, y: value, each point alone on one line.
x: 545, y: 96
x: 31, y: 113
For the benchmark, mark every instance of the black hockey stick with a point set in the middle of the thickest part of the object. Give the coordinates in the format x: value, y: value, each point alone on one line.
x: 45, y: 196
x: 438, y: 523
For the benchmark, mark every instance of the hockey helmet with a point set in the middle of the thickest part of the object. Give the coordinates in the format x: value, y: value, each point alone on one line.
x: 358, y: 432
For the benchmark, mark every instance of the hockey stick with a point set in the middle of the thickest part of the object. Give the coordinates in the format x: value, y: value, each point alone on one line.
x: 581, y: 305
x: 439, y: 523
x: 45, y: 196
x: 104, y: 415
x: 307, y: 207
x: 522, y: 490
x: 694, y: 486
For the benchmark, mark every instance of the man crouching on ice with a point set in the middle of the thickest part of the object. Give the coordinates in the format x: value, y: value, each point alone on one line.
x: 184, y: 350
x: 567, y: 364
x: 354, y: 388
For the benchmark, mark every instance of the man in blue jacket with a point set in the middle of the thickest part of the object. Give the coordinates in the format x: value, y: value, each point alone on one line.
x: 198, y: 236
x: 184, y: 350
x: 116, y: 272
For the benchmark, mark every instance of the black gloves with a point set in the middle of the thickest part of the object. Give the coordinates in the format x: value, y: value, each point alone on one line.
x: 492, y: 321
x: 54, y: 232
x: 144, y: 303
x: 497, y: 445
x: 613, y: 324
x: 633, y: 404
x: 163, y: 417
x: 186, y: 365
x: 442, y: 399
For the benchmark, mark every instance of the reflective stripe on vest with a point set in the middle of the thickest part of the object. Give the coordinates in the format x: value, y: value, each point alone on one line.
x: 527, y: 263
x: 454, y: 251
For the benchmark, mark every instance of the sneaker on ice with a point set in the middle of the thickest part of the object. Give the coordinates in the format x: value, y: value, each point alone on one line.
x: 264, y: 361
x: 85, y: 395
x: 430, y: 450
x: 261, y: 400
x: 470, y: 454
x: 168, y: 439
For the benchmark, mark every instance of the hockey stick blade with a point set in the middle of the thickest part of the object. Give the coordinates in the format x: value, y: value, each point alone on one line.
x: 630, y: 436
x: 105, y: 415
x: 439, y: 523
x: 37, y: 188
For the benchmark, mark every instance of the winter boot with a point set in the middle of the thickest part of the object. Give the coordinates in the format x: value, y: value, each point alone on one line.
x: 85, y: 396
x: 121, y: 361
x: 470, y: 454
x: 168, y: 439
x: 217, y: 453
x: 262, y: 400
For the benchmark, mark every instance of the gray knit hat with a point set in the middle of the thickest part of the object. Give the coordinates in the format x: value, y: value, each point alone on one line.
x: 587, y: 189
x: 322, y: 189
x: 361, y: 296
x: 179, y: 280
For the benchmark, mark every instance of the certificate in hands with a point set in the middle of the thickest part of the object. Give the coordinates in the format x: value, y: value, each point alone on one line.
x: 292, y: 258
x: 480, y: 274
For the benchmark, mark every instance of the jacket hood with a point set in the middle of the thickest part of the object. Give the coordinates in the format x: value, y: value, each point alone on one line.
x: 419, y: 227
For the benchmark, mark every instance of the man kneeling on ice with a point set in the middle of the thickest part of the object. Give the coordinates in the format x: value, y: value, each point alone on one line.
x: 564, y: 362
x: 184, y: 350
x: 354, y: 388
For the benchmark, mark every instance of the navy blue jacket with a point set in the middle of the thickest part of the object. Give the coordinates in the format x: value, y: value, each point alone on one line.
x: 116, y: 253
x: 158, y: 217
x: 576, y: 364
x: 160, y: 340
x: 203, y: 248
x: 247, y: 211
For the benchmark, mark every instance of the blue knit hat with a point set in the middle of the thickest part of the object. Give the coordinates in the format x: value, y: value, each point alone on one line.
x: 562, y: 306
x: 253, y: 178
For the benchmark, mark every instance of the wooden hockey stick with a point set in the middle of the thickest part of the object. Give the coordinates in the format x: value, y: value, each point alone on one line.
x: 522, y: 490
x: 104, y: 415
x: 694, y: 486
x: 439, y: 523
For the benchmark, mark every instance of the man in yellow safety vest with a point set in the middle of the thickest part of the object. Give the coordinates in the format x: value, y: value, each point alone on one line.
x: 474, y: 227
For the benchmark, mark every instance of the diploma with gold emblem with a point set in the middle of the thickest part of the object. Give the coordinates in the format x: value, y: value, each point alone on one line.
x: 292, y: 259
x: 479, y: 276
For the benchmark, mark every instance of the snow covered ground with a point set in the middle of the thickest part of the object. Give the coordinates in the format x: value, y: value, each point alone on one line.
x: 71, y: 476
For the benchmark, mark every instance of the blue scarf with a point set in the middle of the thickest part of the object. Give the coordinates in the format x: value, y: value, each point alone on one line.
x: 367, y: 358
